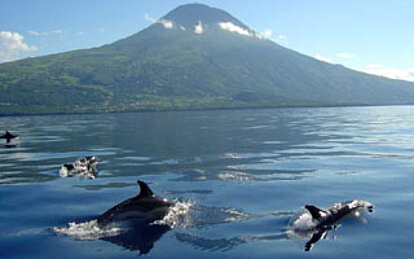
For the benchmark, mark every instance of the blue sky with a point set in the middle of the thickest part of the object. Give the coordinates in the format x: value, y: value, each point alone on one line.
x: 375, y: 36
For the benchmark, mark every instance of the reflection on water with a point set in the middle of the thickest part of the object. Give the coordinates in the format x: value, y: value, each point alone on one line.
x: 139, y: 238
x: 291, y: 146
x: 245, y: 171
x: 131, y: 235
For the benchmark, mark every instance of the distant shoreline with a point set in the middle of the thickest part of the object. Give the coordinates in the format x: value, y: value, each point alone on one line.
x: 197, y: 109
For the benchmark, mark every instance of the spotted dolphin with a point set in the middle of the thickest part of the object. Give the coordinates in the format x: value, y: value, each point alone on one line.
x: 145, y: 207
x: 86, y: 166
x: 328, y: 217
x: 325, y: 220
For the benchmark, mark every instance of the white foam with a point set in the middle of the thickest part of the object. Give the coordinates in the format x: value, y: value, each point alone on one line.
x: 89, y: 230
x: 63, y: 172
x: 235, y: 215
x: 82, y: 167
x: 303, y: 221
x: 177, y: 215
x: 238, y: 176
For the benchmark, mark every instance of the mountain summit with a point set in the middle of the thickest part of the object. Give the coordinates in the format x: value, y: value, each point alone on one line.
x: 190, y: 15
x: 194, y: 57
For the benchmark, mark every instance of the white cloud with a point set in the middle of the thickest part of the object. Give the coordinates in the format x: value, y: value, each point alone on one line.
x: 149, y: 18
x: 56, y: 32
x: 345, y: 55
x: 228, y: 26
x: 394, y: 73
x: 46, y: 33
x: 259, y: 36
x: 268, y: 33
x: 281, y: 39
x: 198, y: 28
x: 322, y: 58
x: 166, y: 23
x: 34, y: 33
x: 11, y: 45
x: 374, y: 66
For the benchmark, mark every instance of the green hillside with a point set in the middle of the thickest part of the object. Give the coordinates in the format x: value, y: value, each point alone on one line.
x: 176, y: 68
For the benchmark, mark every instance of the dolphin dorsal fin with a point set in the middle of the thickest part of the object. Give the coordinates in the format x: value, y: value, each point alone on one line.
x: 9, y: 135
x: 315, y: 212
x: 144, y: 189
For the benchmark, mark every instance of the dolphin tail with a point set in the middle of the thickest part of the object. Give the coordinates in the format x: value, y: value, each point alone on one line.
x: 144, y: 189
x: 314, y: 211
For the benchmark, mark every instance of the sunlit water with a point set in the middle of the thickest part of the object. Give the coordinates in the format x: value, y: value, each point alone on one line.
x: 240, y: 176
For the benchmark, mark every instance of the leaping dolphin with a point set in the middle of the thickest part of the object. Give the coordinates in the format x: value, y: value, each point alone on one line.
x: 8, y: 136
x: 146, y: 207
x: 323, y: 221
x: 324, y: 218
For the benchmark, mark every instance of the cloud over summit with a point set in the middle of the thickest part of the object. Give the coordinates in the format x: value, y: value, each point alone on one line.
x: 228, y: 26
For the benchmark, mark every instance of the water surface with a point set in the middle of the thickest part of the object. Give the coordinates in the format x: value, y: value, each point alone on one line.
x: 245, y: 174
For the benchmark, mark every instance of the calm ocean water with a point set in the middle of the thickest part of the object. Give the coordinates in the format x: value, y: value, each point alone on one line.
x: 243, y: 174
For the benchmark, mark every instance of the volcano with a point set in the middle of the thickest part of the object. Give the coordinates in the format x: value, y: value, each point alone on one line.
x: 194, y: 57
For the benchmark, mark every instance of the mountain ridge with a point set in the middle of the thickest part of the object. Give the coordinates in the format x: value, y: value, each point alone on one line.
x: 194, y: 57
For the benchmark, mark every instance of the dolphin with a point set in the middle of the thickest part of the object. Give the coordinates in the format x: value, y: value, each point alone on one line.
x: 146, y: 207
x: 317, y: 235
x: 324, y: 218
x: 8, y: 136
x: 86, y: 166
x: 324, y: 221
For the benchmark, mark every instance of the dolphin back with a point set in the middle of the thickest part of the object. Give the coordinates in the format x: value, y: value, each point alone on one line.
x: 145, y: 207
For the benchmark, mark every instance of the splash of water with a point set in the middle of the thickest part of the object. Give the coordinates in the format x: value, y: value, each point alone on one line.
x: 302, y: 221
x: 178, y: 215
x: 89, y: 230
